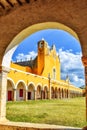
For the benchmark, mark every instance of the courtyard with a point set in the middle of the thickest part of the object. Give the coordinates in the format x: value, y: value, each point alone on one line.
x: 66, y: 112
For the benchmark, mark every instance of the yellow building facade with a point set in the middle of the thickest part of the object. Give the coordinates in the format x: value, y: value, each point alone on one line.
x: 39, y: 78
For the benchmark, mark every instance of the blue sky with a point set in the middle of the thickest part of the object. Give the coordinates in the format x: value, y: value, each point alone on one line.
x: 67, y: 47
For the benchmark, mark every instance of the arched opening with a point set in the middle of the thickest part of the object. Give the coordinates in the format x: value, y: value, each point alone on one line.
x: 10, y: 90
x: 9, y: 51
x: 20, y: 91
x: 31, y: 92
x: 27, y: 32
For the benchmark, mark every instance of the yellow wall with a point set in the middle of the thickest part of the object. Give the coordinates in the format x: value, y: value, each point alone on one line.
x: 48, y: 60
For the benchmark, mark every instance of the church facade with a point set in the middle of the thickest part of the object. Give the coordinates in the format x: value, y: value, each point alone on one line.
x: 39, y: 78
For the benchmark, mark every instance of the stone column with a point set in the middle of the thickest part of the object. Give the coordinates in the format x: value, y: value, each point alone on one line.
x: 3, y: 92
x: 61, y: 97
x: 47, y: 94
x: 57, y: 94
x: 49, y: 85
x: 35, y: 94
x: 26, y: 94
x: 14, y: 98
x: 84, y: 60
x: 42, y: 94
x: 68, y: 96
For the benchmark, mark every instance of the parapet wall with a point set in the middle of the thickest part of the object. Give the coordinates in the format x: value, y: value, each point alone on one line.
x: 32, y: 126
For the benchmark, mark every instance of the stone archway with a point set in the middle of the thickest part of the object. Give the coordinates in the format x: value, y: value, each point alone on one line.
x: 19, y: 18
x: 20, y: 91
x: 31, y: 92
x: 10, y: 90
x: 29, y: 31
x: 16, y: 19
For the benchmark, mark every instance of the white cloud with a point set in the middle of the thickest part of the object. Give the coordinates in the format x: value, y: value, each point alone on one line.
x: 23, y: 57
x: 71, y: 64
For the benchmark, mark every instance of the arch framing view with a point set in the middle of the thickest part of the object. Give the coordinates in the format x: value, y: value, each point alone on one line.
x: 26, y: 18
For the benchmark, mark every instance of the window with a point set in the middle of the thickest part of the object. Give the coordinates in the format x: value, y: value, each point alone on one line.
x: 54, y: 73
x: 21, y: 93
x: 40, y: 44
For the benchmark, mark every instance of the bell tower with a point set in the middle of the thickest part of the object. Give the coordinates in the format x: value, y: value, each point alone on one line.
x: 41, y: 56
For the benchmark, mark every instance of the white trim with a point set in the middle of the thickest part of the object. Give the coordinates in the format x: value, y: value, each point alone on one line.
x: 39, y: 84
x: 11, y: 80
x: 8, y: 56
x: 45, y: 86
x: 30, y: 84
x: 21, y: 81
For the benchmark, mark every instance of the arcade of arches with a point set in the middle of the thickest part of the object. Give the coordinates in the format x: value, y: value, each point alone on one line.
x: 32, y: 93
x: 15, y: 16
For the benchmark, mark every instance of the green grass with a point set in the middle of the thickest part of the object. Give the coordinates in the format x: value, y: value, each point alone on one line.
x: 68, y: 112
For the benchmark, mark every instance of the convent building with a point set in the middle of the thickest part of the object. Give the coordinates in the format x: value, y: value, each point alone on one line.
x: 39, y: 78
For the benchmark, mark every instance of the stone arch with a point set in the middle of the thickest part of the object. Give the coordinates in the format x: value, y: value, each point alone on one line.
x: 32, y: 84
x: 31, y: 92
x: 69, y: 12
x: 28, y: 31
x: 20, y: 90
x: 39, y: 84
x: 22, y: 22
x: 12, y: 81
x: 10, y: 89
x: 21, y: 81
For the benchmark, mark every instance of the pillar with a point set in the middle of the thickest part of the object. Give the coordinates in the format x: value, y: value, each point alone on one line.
x: 47, y: 94
x: 49, y: 85
x: 42, y: 94
x: 14, y: 98
x: 58, y: 95
x: 35, y: 94
x: 68, y: 93
x: 3, y: 92
x: 26, y: 94
x: 84, y: 60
